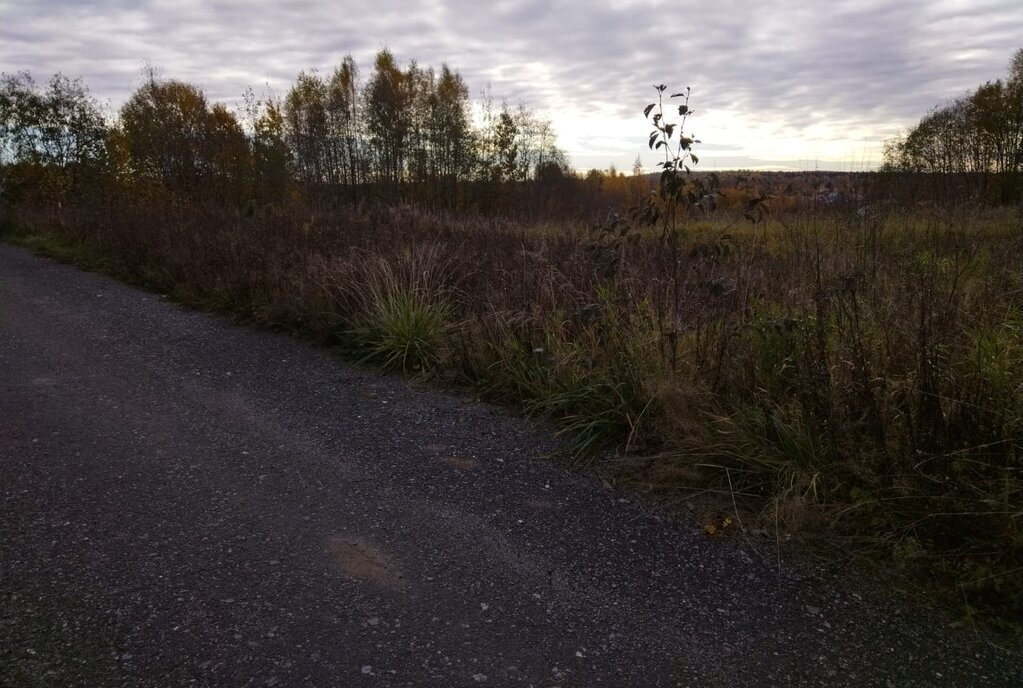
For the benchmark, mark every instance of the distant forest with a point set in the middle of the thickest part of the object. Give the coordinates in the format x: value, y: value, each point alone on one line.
x: 407, y: 134
x: 978, y: 136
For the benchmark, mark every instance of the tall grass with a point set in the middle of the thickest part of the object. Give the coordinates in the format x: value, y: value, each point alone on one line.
x: 400, y: 309
x: 860, y: 377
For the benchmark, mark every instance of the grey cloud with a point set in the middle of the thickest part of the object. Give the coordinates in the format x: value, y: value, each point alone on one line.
x: 789, y: 66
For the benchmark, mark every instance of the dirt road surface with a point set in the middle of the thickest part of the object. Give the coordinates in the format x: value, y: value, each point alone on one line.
x: 184, y: 502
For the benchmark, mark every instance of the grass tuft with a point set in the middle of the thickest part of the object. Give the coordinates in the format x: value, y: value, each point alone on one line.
x: 403, y: 313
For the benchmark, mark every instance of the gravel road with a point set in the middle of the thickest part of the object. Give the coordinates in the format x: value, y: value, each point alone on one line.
x: 185, y: 502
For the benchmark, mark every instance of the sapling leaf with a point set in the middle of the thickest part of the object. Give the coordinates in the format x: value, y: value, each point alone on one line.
x: 648, y: 108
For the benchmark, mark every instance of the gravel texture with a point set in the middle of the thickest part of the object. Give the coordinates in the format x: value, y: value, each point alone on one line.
x: 184, y: 502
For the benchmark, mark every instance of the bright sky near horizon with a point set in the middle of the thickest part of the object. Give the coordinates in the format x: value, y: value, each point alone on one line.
x: 787, y: 84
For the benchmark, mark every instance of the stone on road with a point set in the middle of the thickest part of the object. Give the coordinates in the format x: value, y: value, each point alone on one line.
x: 184, y: 502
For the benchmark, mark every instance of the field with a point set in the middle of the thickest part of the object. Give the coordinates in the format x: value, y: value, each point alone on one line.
x: 855, y: 378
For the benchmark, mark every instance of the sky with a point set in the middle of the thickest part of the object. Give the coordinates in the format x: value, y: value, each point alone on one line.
x: 786, y: 84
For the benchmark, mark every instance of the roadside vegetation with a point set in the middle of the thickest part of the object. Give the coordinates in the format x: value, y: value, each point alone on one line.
x: 841, y: 354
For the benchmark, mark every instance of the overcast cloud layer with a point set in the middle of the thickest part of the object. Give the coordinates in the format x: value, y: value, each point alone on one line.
x: 782, y: 84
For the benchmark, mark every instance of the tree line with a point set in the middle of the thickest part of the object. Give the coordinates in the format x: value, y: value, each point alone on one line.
x: 977, y: 137
x: 402, y: 134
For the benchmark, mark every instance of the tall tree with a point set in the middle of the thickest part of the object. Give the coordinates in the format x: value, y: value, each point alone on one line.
x: 505, y: 166
x: 228, y: 155
x: 451, y: 138
x: 271, y: 155
x: 387, y: 110
x: 344, y: 125
x: 1014, y: 106
x: 306, y: 124
x: 61, y: 128
x: 537, y: 144
x: 171, y: 137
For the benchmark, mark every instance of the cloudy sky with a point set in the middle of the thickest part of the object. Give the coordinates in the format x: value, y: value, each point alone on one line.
x: 787, y: 84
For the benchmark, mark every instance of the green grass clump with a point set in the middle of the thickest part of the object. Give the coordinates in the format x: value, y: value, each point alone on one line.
x: 403, y: 314
x: 404, y: 329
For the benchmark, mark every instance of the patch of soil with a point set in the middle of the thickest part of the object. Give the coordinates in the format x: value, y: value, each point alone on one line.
x: 362, y: 561
x: 460, y: 462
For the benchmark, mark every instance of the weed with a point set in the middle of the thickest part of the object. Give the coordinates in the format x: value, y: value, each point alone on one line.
x: 403, y: 315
